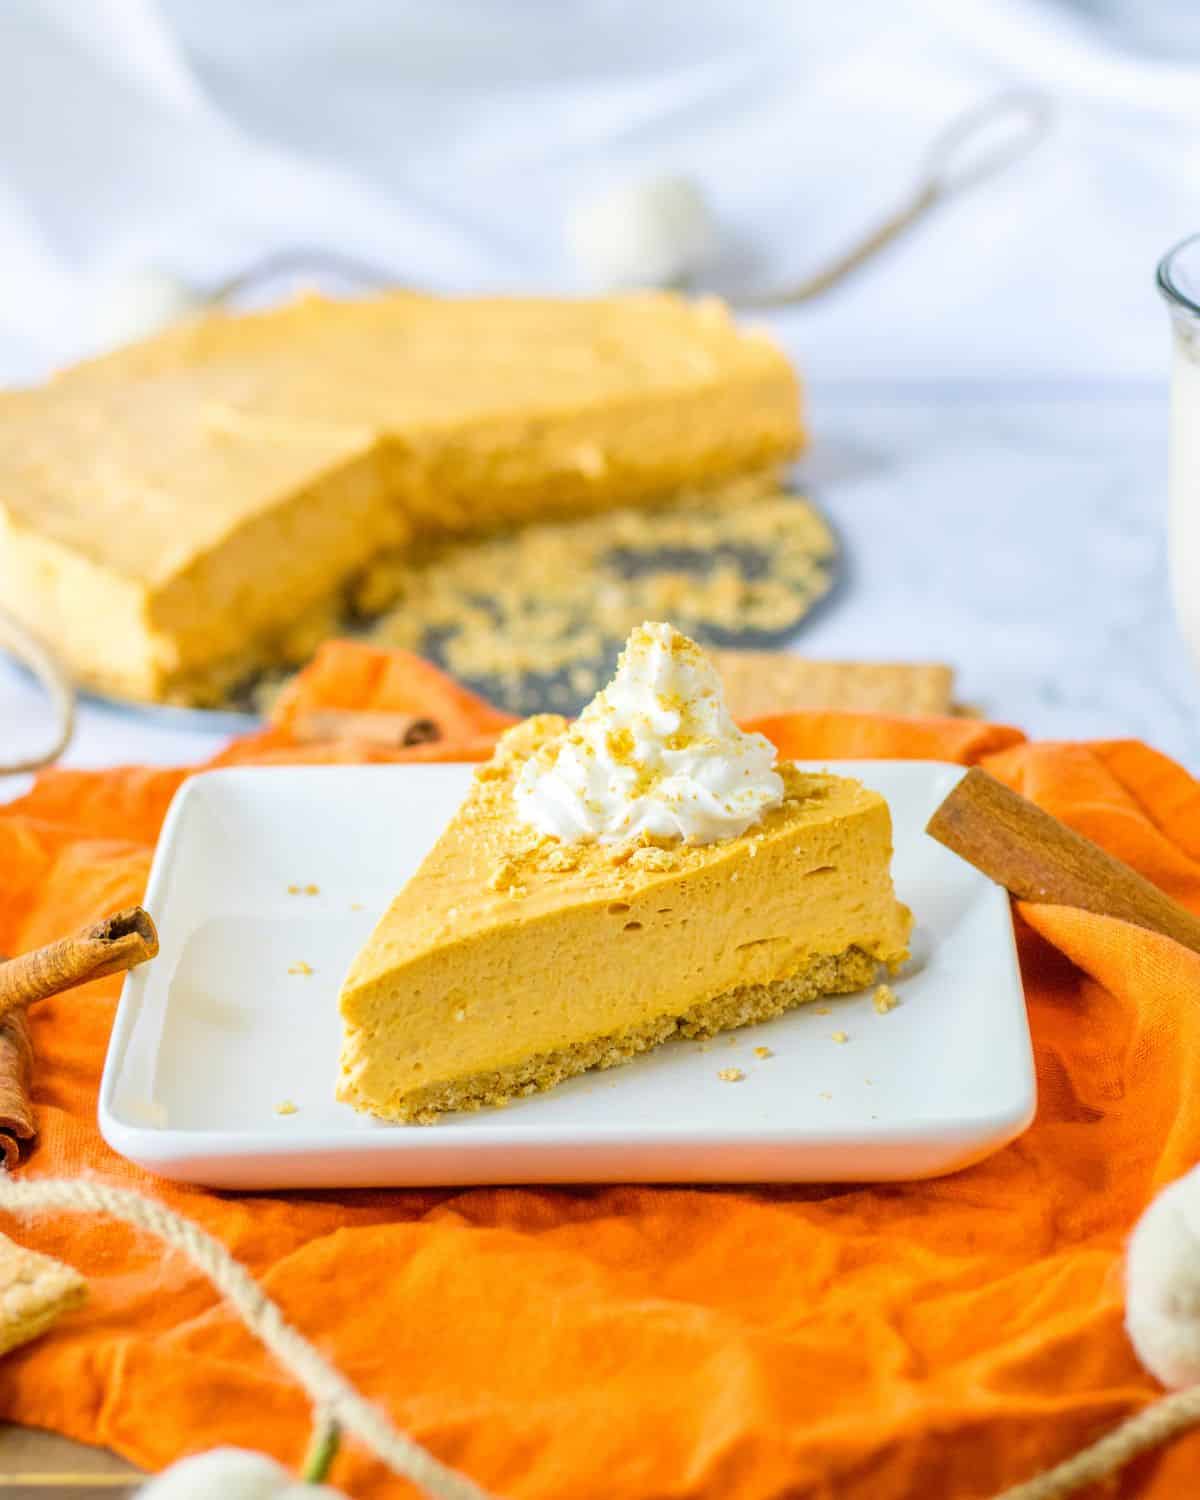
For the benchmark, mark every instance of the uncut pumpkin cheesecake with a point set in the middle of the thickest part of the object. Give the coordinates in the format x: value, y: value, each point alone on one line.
x: 186, y: 510
x: 644, y: 873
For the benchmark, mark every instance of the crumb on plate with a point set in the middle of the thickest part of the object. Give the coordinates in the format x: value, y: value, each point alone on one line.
x: 731, y: 1075
x: 885, y: 999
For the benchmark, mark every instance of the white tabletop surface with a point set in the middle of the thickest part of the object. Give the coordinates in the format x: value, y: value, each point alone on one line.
x: 1013, y: 530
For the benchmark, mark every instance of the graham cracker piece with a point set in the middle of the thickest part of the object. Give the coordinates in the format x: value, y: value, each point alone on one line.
x: 761, y: 683
x: 35, y: 1290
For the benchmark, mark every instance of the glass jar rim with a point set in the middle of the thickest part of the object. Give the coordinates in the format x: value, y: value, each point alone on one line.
x: 1168, y: 281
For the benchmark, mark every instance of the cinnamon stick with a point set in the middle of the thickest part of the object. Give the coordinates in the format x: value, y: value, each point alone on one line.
x: 119, y: 942
x: 16, y: 1077
x: 389, y: 730
x: 1039, y: 859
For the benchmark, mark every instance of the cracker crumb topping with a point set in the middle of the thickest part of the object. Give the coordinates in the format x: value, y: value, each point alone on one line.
x: 506, y: 877
x: 561, y: 594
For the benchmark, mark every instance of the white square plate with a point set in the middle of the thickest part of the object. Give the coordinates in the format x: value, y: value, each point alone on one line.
x: 214, y: 1035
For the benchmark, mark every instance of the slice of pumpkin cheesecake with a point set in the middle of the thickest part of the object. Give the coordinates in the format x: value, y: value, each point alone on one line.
x: 645, y: 873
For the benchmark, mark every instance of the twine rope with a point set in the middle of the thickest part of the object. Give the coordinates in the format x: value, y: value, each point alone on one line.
x: 1149, y: 1428
x: 51, y: 676
x: 330, y: 1392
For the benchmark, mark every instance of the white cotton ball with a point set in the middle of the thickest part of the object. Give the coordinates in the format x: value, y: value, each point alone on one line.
x: 138, y: 303
x: 232, y: 1474
x: 655, y: 232
x: 1162, y: 1284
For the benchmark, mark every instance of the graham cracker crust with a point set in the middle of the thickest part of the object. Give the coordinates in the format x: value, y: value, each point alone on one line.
x: 829, y: 974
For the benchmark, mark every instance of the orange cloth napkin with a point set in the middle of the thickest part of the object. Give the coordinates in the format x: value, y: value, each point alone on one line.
x: 622, y: 1343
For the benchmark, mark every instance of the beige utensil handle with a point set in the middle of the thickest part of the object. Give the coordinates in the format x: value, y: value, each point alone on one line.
x: 58, y: 687
x: 973, y: 147
x: 26, y: 1482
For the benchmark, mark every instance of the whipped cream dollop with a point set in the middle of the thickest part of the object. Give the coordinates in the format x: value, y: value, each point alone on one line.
x: 656, y: 753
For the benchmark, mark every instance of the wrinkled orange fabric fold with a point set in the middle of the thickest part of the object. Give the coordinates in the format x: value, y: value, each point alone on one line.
x: 637, y: 1343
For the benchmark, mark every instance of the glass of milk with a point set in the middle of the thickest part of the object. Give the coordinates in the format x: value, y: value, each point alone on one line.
x: 1179, y: 282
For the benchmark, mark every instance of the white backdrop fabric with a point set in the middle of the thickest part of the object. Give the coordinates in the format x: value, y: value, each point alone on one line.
x: 446, y: 141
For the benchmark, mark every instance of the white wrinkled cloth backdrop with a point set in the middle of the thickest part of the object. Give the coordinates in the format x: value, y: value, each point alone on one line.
x: 446, y: 140
x: 997, y: 514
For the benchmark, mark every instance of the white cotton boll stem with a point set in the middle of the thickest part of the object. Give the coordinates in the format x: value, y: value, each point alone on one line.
x: 139, y: 303
x: 1162, y: 1284
x: 658, y: 231
x: 232, y: 1474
